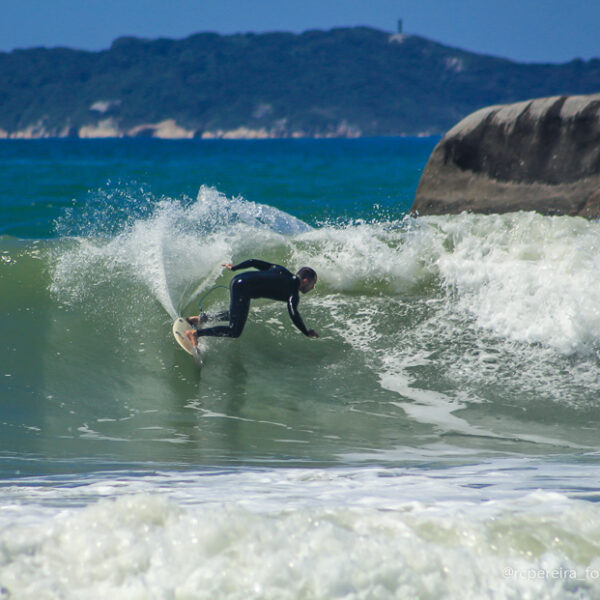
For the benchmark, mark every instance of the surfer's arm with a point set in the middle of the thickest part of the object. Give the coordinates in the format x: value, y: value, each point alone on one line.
x: 292, y: 305
x: 252, y: 263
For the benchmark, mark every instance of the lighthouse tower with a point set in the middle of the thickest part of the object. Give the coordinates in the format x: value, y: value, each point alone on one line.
x: 398, y: 37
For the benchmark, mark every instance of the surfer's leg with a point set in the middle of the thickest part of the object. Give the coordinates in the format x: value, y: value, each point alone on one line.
x: 238, y: 313
x: 220, y: 331
x: 198, y: 320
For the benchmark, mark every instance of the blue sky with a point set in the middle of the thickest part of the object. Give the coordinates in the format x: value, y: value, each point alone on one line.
x: 524, y: 30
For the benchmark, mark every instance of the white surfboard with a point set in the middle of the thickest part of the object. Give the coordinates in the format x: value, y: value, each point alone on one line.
x: 180, y: 326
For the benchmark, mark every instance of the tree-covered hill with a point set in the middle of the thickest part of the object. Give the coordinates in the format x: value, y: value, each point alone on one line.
x: 356, y: 81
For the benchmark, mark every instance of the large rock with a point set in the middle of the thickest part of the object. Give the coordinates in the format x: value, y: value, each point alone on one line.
x: 541, y: 155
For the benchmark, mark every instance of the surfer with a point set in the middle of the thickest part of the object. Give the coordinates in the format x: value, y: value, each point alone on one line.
x: 270, y: 281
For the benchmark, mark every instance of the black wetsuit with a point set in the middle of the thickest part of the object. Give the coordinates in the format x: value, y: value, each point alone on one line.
x: 270, y: 281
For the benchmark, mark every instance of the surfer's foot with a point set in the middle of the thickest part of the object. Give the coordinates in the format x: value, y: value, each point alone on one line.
x: 197, y: 320
x: 192, y: 335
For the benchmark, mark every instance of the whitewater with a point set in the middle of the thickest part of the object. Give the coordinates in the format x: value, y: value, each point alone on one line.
x: 438, y: 441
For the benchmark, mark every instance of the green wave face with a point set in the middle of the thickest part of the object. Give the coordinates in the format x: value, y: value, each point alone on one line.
x: 478, y: 330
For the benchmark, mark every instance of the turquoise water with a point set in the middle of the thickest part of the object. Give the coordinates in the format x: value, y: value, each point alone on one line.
x: 438, y: 441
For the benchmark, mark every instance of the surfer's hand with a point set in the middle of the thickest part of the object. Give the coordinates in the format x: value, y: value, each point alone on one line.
x: 312, y: 333
x: 228, y: 265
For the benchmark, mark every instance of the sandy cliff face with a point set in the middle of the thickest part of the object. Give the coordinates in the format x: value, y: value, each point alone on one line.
x: 541, y: 155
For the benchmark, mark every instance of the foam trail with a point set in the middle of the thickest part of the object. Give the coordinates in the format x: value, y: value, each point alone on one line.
x: 444, y: 309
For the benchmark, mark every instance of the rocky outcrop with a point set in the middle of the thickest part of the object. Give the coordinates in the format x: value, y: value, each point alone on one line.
x: 541, y: 155
x: 106, y: 128
x: 165, y: 130
x: 169, y: 129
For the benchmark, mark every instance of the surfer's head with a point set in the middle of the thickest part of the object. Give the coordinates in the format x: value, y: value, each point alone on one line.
x: 308, y: 278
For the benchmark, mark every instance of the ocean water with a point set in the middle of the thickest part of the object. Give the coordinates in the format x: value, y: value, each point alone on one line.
x: 440, y: 439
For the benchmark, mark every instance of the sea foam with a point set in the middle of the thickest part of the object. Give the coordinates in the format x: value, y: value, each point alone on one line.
x: 300, y: 533
x: 524, y: 277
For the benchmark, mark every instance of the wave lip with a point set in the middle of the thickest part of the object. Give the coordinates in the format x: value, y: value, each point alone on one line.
x: 174, y: 248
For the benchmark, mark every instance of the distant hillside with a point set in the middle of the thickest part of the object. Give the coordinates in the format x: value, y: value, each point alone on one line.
x: 343, y: 82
